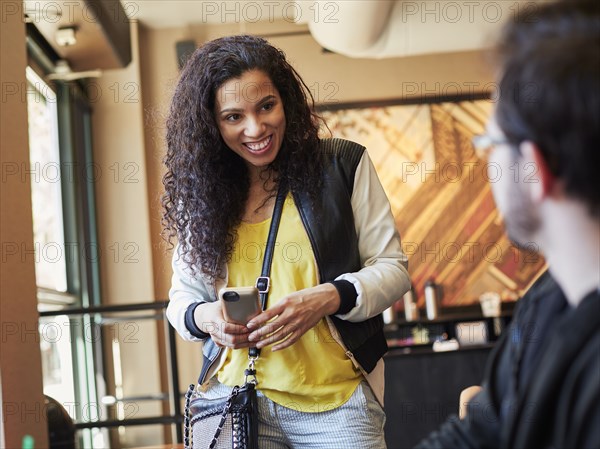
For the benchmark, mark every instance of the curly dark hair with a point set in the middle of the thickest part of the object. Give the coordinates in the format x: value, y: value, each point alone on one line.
x: 206, y: 184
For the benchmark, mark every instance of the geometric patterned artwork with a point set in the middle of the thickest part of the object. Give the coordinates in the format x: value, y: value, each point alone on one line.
x: 440, y: 195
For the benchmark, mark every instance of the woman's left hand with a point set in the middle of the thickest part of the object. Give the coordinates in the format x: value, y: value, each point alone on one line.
x: 294, y: 315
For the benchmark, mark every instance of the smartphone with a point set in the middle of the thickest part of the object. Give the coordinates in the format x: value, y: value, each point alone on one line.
x: 240, y: 304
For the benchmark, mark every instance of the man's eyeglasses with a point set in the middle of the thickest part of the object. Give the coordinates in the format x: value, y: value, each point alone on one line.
x: 484, y: 144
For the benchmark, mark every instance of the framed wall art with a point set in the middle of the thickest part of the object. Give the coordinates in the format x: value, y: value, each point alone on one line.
x: 440, y: 193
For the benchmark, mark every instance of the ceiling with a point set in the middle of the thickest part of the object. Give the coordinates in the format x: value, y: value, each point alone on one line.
x: 178, y: 13
x: 354, y: 28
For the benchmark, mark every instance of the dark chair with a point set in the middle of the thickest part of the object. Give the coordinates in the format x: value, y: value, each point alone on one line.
x: 61, y: 430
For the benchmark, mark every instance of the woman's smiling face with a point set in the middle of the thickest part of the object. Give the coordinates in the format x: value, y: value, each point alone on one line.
x: 251, y: 118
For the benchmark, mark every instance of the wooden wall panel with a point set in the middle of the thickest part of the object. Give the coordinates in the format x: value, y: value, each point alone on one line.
x: 440, y: 196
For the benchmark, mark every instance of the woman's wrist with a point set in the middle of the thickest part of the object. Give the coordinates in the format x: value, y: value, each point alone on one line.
x: 346, y: 296
x: 333, y: 299
x: 203, y: 318
x: 192, y: 322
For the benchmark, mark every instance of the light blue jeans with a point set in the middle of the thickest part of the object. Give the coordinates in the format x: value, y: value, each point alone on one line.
x: 357, y: 424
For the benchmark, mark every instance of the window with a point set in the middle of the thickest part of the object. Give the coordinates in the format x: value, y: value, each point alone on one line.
x: 48, y: 237
x: 64, y: 223
x: 45, y: 175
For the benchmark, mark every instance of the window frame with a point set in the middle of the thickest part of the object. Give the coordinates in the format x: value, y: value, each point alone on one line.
x: 73, y: 113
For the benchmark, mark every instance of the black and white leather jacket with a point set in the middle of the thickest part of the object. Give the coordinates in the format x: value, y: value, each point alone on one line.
x: 356, y: 245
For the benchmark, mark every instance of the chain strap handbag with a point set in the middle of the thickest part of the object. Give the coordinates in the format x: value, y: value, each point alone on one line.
x: 232, y: 422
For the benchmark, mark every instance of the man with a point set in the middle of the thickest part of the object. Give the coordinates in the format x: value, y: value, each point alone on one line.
x: 542, y: 386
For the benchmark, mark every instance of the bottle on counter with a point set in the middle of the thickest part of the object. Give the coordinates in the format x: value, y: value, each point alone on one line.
x: 431, y: 299
x: 411, y: 312
x: 389, y: 315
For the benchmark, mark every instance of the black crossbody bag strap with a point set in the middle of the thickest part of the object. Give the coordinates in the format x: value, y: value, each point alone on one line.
x: 263, y: 283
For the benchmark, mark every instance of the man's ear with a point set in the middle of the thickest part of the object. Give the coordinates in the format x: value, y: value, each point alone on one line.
x: 542, y: 181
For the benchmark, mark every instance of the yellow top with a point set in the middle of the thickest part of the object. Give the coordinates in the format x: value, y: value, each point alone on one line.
x: 314, y: 374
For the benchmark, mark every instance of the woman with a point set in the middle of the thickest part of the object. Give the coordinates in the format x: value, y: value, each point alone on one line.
x: 241, y: 124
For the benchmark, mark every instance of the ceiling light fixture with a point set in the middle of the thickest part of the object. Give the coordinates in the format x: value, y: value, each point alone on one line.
x: 65, y: 36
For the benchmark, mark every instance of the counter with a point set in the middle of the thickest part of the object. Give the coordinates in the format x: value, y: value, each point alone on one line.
x: 422, y: 386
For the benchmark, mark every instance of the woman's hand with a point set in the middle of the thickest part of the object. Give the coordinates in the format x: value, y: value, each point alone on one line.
x: 209, y: 319
x: 294, y: 315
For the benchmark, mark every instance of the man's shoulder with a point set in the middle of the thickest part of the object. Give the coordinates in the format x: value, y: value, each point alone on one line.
x: 544, y: 286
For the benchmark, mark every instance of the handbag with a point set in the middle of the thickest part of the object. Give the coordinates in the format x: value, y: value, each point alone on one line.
x: 232, y: 422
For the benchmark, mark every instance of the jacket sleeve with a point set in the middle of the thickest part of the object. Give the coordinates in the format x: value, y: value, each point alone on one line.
x: 383, y: 278
x: 485, y: 424
x: 187, y: 292
x: 479, y: 429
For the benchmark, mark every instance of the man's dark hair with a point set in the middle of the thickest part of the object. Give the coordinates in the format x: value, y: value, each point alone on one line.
x: 550, y: 90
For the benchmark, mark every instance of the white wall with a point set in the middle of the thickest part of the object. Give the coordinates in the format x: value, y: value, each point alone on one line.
x: 124, y: 234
